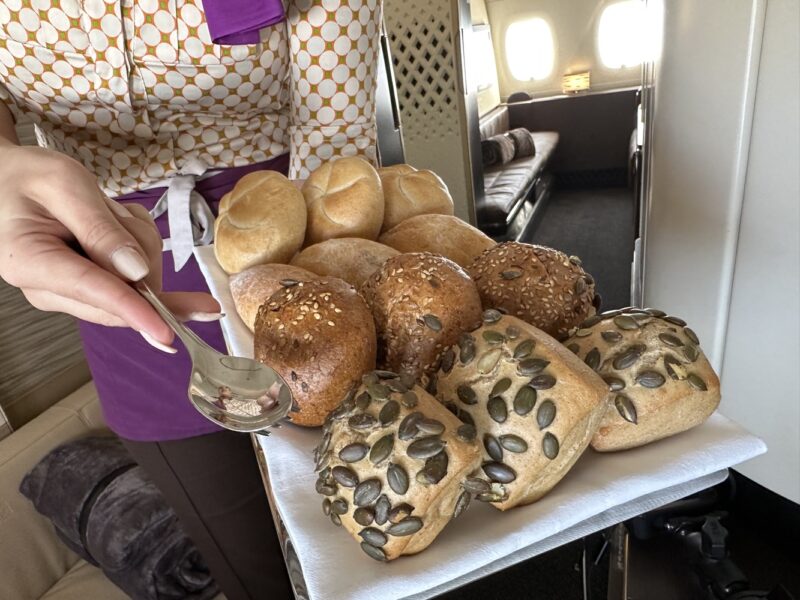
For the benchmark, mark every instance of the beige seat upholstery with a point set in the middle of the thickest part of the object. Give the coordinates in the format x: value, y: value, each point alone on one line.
x: 34, y: 563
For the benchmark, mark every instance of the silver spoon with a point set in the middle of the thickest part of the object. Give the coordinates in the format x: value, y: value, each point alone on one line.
x: 237, y: 393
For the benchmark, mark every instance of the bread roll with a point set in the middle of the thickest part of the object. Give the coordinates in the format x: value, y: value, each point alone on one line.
x: 351, y: 259
x: 262, y: 220
x: 409, y: 192
x: 661, y: 382
x: 391, y: 462
x: 344, y: 199
x: 320, y: 337
x: 445, y: 235
x: 535, y: 407
x: 421, y: 303
x: 252, y: 287
x: 540, y: 285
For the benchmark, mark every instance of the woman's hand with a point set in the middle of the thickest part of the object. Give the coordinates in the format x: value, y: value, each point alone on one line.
x: 71, y: 249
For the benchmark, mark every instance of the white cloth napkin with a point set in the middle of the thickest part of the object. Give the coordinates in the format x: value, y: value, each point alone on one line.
x: 600, y: 490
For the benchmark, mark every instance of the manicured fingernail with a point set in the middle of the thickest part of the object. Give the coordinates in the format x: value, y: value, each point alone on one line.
x: 156, y: 344
x: 129, y: 263
x: 204, y: 317
x: 118, y: 209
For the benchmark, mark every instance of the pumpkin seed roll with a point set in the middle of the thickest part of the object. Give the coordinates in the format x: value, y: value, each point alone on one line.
x: 661, y: 382
x: 391, y: 465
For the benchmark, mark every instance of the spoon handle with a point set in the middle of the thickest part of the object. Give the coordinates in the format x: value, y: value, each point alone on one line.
x: 192, y: 342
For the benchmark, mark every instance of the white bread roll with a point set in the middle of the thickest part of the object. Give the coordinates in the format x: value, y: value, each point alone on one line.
x: 344, y: 199
x: 409, y: 192
x: 262, y: 220
x: 351, y: 259
x: 253, y: 286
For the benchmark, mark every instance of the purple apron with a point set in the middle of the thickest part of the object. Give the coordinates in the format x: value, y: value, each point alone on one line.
x: 143, y: 391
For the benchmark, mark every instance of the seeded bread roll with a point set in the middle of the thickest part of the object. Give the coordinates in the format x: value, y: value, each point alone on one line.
x: 660, y: 380
x: 391, y: 463
x: 252, y: 287
x: 409, y: 192
x: 262, y: 220
x: 534, y: 406
x: 540, y: 285
x: 421, y: 303
x: 351, y: 259
x: 320, y: 337
x: 344, y: 199
x: 445, y: 235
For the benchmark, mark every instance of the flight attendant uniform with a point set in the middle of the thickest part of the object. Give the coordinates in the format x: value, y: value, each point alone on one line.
x: 138, y: 92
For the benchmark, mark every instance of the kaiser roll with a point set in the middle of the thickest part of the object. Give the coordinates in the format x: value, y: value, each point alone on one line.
x: 344, y: 199
x: 421, y: 303
x: 391, y: 464
x: 320, y: 337
x: 540, y: 285
x: 409, y: 192
x: 439, y: 234
x: 253, y: 286
x: 351, y: 259
x: 660, y: 380
x: 262, y: 220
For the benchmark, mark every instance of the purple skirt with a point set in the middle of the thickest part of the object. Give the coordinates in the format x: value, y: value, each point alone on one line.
x: 143, y: 391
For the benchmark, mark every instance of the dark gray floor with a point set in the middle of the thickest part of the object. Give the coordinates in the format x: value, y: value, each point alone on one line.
x: 597, y: 226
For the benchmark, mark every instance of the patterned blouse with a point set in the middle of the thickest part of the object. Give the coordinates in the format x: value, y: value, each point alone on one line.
x: 134, y: 89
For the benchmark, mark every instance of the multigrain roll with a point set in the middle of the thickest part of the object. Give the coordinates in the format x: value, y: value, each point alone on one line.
x: 445, y: 235
x: 391, y: 463
x: 351, y: 259
x: 533, y: 405
x: 253, y: 286
x: 344, y: 199
x: 408, y: 192
x: 421, y: 303
x: 540, y: 285
x: 660, y: 380
x: 262, y: 220
x: 320, y: 337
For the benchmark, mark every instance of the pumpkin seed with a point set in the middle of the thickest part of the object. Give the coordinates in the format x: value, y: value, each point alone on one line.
x: 500, y: 387
x: 509, y: 275
x: 326, y: 507
x: 466, y: 432
x: 382, y: 508
x: 466, y: 345
x: 373, y: 552
x: 378, y: 391
x: 674, y: 367
x: 675, y: 321
x: 474, y: 485
x: 574, y: 348
x: 339, y: 506
x: 461, y: 504
x: 490, y: 497
x: 400, y: 512
x: 384, y: 374
x: 408, y: 380
x: 466, y: 394
x: 324, y: 488
x: 525, y: 400
x: 580, y: 286
x: 650, y: 379
x: 362, y: 421
x: 363, y: 401
x: 397, y: 478
x: 433, y: 322
x: 542, y: 382
x: 465, y: 417
x: 289, y: 282
x: 546, y: 414
x: 408, y: 426
x: 396, y: 385
x: 493, y: 337
x: 626, y: 322
x: 625, y: 408
x: 336, y: 519
x: 499, y: 472
x: 373, y: 536
x: 670, y: 340
x: 448, y: 360
x: 345, y: 476
x: 575, y: 261
x: 655, y: 312
x: 532, y: 366
x: 642, y: 318
x: 691, y: 335
x: 628, y: 357
x: 696, y: 382
x: 491, y: 315
x: 369, y: 378
x: 363, y: 516
x: 612, y: 337
x: 409, y: 399
x: 591, y: 321
x: 431, y: 387
x: 592, y: 359
x: 425, y: 447
x: 493, y: 447
x: 488, y: 361
x: 513, y: 443
x: 512, y: 332
x: 366, y: 492
x: 524, y: 349
x: 691, y: 353
x: 497, y: 409
x: 615, y: 384
x: 389, y: 412
x: 408, y: 526
x: 353, y: 452
x: 382, y: 449
x: 435, y: 469
x: 430, y: 426
x: 550, y: 445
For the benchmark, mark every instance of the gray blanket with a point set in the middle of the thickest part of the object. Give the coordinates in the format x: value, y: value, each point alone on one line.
x: 523, y: 142
x: 107, y: 511
x: 497, y: 150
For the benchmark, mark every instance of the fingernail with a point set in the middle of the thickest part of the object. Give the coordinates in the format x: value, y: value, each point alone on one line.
x: 129, y: 263
x: 118, y: 209
x: 204, y: 317
x: 156, y: 344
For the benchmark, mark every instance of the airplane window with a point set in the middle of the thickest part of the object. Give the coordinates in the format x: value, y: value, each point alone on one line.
x: 529, y: 49
x: 482, y: 60
x: 619, y: 34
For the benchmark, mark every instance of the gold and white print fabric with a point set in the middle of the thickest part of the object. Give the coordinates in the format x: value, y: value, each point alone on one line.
x: 135, y: 89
